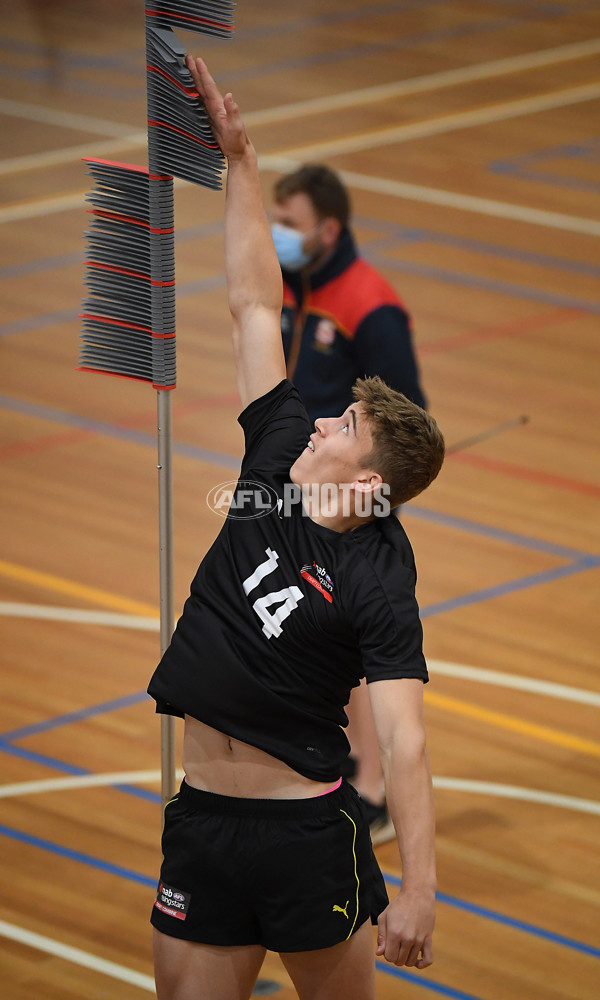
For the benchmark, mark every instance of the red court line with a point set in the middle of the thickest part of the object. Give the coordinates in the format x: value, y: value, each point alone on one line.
x: 45, y: 443
x: 523, y: 472
x: 49, y: 441
x: 524, y: 324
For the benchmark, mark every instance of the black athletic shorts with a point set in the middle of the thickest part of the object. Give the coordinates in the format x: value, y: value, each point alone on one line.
x: 289, y: 874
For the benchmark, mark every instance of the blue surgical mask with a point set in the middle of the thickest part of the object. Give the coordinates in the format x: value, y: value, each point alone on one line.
x: 289, y: 247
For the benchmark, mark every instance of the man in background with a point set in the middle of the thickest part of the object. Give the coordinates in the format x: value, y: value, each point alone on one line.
x: 341, y: 320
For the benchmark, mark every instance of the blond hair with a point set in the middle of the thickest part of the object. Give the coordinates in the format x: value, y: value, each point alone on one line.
x: 408, y: 446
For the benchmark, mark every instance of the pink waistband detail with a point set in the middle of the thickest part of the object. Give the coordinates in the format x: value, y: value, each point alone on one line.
x: 332, y: 789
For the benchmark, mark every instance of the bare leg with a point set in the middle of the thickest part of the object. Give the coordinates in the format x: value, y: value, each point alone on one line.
x: 345, y: 971
x: 368, y: 780
x: 185, y: 970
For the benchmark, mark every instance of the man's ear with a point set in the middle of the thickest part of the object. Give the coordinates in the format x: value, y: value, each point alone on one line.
x: 367, y: 482
x: 330, y: 231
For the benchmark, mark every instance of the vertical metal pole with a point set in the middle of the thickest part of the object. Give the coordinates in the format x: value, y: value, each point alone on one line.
x: 165, y: 517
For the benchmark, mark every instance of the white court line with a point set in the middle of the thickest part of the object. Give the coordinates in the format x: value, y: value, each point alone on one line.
x: 65, y: 119
x: 82, y: 781
x: 442, y: 667
x: 77, y: 956
x: 64, y: 203
x: 378, y: 185
x: 449, y: 199
x: 334, y: 102
x: 410, y: 192
x: 445, y: 783
x: 122, y: 973
x: 421, y: 84
x: 446, y: 123
x: 517, y: 792
x: 515, y: 681
x: 350, y: 144
x: 51, y: 158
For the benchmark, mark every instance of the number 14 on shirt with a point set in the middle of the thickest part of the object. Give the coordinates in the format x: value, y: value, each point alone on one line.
x: 288, y: 595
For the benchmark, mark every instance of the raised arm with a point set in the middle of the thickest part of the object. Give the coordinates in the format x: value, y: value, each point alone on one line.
x: 254, y: 284
x: 406, y: 926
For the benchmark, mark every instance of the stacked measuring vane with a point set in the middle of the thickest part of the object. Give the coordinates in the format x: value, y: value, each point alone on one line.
x: 129, y: 312
x: 180, y: 138
x: 213, y: 17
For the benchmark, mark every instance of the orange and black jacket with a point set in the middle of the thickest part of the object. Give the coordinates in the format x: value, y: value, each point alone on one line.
x: 344, y: 322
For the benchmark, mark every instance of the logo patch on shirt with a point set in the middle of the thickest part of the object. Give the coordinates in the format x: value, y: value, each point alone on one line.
x: 172, y: 901
x: 319, y: 578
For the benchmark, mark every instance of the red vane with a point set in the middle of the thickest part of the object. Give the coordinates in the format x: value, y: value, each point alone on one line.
x: 126, y: 218
x: 188, y: 17
x: 157, y: 69
x: 211, y: 145
x: 124, y: 270
x: 135, y: 378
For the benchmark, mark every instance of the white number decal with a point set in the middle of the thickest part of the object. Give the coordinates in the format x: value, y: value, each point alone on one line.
x: 287, y: 598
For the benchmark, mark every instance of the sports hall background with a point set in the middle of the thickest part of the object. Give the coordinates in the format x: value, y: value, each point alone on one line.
x: 467, y: 131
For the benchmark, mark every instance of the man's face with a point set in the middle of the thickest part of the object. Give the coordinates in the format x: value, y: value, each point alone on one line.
x: 298, y: 212
x: 320, y: 234
x: 334, y: 452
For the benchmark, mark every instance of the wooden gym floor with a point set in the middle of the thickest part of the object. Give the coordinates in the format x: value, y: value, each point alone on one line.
x: 473, y: 167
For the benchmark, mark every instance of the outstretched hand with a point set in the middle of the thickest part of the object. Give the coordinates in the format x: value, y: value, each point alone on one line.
x: 223, y: 112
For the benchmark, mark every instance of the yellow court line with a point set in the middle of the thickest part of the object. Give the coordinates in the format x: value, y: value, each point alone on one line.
x: 58, y: 584
x: 61, y: 586
x: 513, y: 724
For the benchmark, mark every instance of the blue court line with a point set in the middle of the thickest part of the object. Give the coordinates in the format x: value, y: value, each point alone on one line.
x: 73, y: 79
x: 29, y: 324
x: 364, y: 50
x: 428, y: 611
x: 40, y: 758
x: 59, y: 765
x: 418, y: 979
x: 415, y: 234
x: 113, y: 430
x: 229, y: 461
x: 524, y: 165
x: 389, y: 231
x: 501, y: 918
x: 489, y: 531
x: 85, y: 713
x: 58, y: 261
x: 482, y: 283
x: 77, y: 83
x: 72, y: 855
x: 133, y: 876
x: 510, y: 587
x: 548, y: 177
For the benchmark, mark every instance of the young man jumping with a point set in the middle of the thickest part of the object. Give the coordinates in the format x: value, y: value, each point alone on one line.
x: 264, y: 846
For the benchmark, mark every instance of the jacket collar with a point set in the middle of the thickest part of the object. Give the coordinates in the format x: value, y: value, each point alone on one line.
x: 344, y: 254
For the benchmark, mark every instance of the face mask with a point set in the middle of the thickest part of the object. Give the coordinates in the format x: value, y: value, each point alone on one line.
x: 289, y: 247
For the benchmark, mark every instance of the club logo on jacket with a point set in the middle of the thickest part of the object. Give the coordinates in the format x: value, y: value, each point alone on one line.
x: 324, y: 334
x: 319, y: 578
